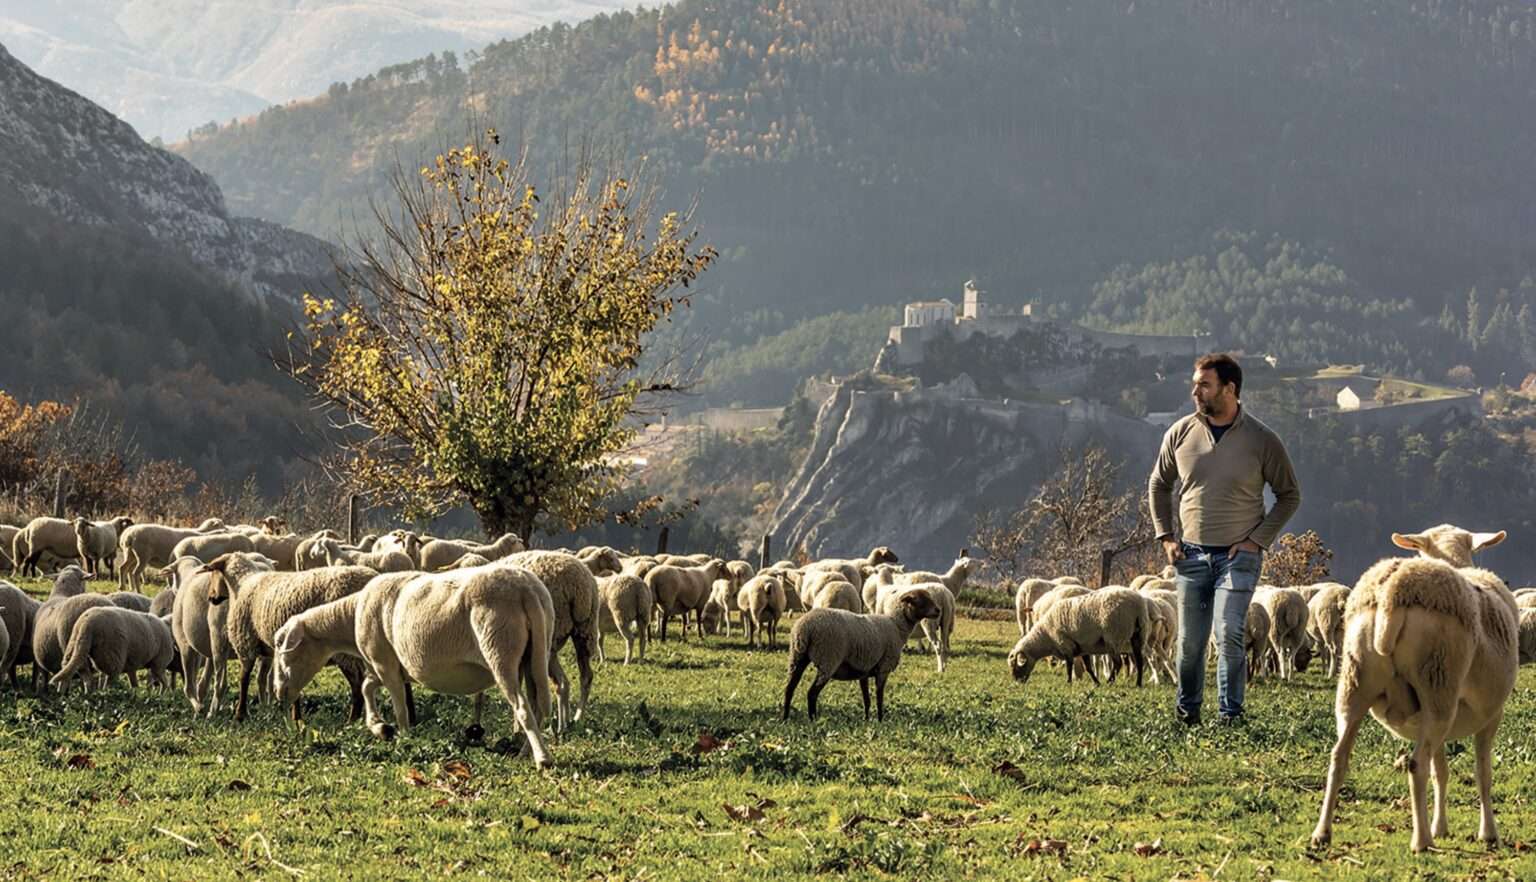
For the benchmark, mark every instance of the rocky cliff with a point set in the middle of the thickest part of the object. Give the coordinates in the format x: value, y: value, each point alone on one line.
x: 62, y: 153
x: 911, y: 468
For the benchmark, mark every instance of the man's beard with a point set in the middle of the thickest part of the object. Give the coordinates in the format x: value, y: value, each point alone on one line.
x: 1205, y: 408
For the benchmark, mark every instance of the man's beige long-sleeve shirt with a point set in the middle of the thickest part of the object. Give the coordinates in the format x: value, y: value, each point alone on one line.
x: 1222, y: 502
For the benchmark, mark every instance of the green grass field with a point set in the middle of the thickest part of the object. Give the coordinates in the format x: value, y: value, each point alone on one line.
x: 971, y: 776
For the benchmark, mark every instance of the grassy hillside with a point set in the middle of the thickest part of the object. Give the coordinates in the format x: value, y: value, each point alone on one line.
x: 967, y: 771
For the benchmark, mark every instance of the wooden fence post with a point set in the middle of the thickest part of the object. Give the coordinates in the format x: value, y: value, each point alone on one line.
x: 1106, y: 559
x: 661, y: 541
x: 765, y: 556
x: 352, y: 518
x: 60, y: 482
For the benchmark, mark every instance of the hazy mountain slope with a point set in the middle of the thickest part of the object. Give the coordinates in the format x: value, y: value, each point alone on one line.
x: 167, y: 66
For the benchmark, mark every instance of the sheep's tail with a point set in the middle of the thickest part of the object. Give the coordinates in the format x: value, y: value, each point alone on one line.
x: 536, y: 660
x: 76, y: 657
x: 1391, y: 616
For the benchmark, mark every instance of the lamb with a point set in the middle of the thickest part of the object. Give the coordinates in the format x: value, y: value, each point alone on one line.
x: 1527, y: 636
x: 261, y: 600
x: 18, y: 611
x: 1430, y: 651
x: 116, y: 641
x: 200, y: 631
x: 458, y: 633
x: 55, y: 619
x: 440, y: 553
x: 849, y: 646
x: 681, y: 590
x: 208, y: 546
x: 96, y: 542
x: 150, y: 545
x: 573, y: 592
x: 40, y: 536
x: 627, y: 603
x: 388, y: 561
x: 837, y: 594
x: 762, y: 600
x: 1287, y: 628
x: 722, y: 602
x: 1113, y: 621
x: 1325, y: 621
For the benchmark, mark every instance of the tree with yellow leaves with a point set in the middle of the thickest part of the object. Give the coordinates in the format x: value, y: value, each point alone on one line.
x: 487, y: 346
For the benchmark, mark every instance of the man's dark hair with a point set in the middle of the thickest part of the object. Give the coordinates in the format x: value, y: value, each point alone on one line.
x: 1226, y: 368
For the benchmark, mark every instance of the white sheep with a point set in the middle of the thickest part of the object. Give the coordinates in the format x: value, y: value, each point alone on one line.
x: 112, y: 640
x: 1288, y: 613
x: 627, y: 603
x: 937, y: 631
x: 150, y: 545
x: 1527, y: 636
x: 1430, y: 651
x: 304, y: 559
x: 387, y: 561
x: 573, y: 592
x: 1525, y: 601
x: 208, y: 546
x: 1325, y: 622
x: 18, y: 610
x: 762, y: 600
x: 836, y: 593
x: 682, y: 590
x: 202, y: 641
x: 55, y: 619
x: 1024, y: 600
x: 1162, y: 643
x: 849, y: 646
x: 853, y: 568
x: 96, y: 542
x: 52, y: 536
x: 600, y: 559
x: 1113, y: 621
x: 440, y: 553
x: 261, y: 600
x: 459, y: 633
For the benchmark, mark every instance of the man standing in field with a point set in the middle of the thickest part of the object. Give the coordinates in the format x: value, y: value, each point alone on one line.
x: 1222, y: 456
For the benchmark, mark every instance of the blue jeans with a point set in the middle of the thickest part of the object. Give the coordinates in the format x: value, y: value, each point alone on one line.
x: 1213, y: 587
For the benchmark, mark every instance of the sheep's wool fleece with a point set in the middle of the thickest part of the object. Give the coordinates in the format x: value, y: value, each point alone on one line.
x: 833, y: 638
x: 1098, y: 621
x: 1424, y: 583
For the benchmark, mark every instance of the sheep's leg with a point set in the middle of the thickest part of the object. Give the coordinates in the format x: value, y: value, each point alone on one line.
x: 393, y: 678
x: 1486, y: 830
x: 354, y: 676
x: 665, y: 618
x: 880, y: 696
x: 583, y: 646
x: 864, y: 690
x: 504, y: 664
x: 1138, y: 656
x: 1088, y: 666
x: 602, y: 653
x: 1418, y: 775
x: 1440, y: 826
x: 410, y: 702
x: 133, y: 679
x: 197, y: 670
x: 797, y: 668
x: 247, y: 668
x: 264, y: 680
x: 645, y: 635
x: 562, y: 691
x: 814, y: 692
x: 1350, y: 709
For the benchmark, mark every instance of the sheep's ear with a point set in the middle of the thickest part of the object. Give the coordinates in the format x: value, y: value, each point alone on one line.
x: 1487, y: 540
x: 292, y: 638
x: 1411, y: 541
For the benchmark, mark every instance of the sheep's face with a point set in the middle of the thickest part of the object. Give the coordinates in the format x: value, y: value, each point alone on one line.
x: 122, y: 523
x: 918, y: 605
x: 1448, y: 543
x: 1020, y: 664
x: 210, y: 525
x: 296, y: 659
x: 883, y: 554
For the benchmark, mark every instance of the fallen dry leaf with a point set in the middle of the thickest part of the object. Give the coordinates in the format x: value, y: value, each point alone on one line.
x: 706, y: 743
x: 237, y: 785
x: 414, y: 776
x: 1046, y: 846
x: 1147, y: 849
x: 1009, y: 770
x: 80, y: 761
x: 457, y: 769
x: 743, y: 813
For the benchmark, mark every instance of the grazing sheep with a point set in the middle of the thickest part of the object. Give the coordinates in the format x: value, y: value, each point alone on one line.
x: 627, y: 603
x: 96, y: 542
x: 113, y: 641
x: 18, y: 611
x: 1114, y: 621
x: 849, y: 646
x: 207, y: 546
x: 202, y: 638
x: 1527, y: 636
x: 40, y: 536
x: 150, y: 545
x: 683, y: 590
x: 811, y: 583
x: 853, y: 568
x: 1055, y: 596
x: 1256, y: 627
x: 762, y: 600
x: 1287, y: 627
x: 1325, y: 621
x: 573, y: 592
x: 722, y: 602
x: 1162, y: 642
x: 442, y: 552
x: 837, y: 594
x: 1430, y: 651
x: 163, y: 602
x: 261, y: 600
x: 387, y: 561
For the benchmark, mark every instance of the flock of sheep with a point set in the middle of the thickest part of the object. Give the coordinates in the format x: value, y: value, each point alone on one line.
x: 1427, y: 645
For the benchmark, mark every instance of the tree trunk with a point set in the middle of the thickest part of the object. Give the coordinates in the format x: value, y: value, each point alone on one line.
x: 501, y: 513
